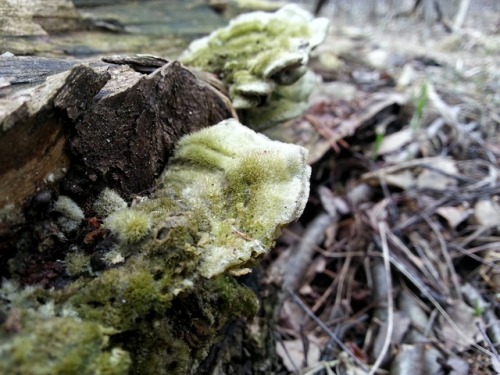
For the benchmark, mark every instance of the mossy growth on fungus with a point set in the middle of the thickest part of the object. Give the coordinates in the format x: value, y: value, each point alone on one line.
x: 165, y: 284
x: 256, y: 55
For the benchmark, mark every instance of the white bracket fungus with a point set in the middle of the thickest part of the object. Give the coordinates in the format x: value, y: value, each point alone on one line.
x: 237, y: 186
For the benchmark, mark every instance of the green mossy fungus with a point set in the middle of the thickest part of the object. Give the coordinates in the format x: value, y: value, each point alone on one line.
x: 257, y: 55
x: 163, y: 287
x: 62, y: 345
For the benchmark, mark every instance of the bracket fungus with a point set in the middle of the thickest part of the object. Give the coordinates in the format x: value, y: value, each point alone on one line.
x: 219, y: 204
x: 234, y: 186
x: 259, y: 52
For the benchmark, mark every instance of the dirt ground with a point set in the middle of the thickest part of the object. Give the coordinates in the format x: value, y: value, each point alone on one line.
x: 395, y: 265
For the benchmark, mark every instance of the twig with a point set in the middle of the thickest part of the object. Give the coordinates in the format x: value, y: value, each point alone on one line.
x: 488, y: 341
x: 327, y: 133
x: 461, y: 14
x: 415, y: 262
x: 324, y: 327
x: 390, y: 307
x: 443, y: 312
x: 287, y: 353
x: 474, y: 298
x: 341, y: 283
x: 470, y: 253
x: 476, y: 234
x: 301, y: 254
x: 446, y: 255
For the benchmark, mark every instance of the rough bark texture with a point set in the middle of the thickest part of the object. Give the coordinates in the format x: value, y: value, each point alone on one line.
x: 120, y: 137
x: 125, y: 138
x: 34, y: 126
x: 249, y: 347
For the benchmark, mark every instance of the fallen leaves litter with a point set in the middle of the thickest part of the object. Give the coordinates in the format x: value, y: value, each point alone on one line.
x: 406, y: 168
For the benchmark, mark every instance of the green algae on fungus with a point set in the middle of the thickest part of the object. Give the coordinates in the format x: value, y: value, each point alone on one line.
x: 241, y: 186
x: 257, y: 53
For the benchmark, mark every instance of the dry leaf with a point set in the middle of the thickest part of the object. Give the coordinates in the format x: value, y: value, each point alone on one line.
x: 458, y: 366
x: 423, y: 173
x: 396, y: 141
x: 453, y: 215
x: 487, y: 212
x: 433, y: 179
x: 490, y: 269
x: 408, y: 361
x: 463, y: 317
x: 349, y: 366
x: 448, y: 113
x: 404, y: 180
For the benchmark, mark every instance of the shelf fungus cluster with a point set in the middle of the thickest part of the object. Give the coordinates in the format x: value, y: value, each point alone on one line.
x: 236, y: 186
x: 262, y: 57
x: 219, y: 205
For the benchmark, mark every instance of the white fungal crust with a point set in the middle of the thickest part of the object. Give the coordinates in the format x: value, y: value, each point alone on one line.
x: 258, y: 52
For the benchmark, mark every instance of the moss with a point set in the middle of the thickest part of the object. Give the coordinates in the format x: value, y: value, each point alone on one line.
x: 77, y: 263
x: 68, y: 208
x: 108, y: 202
x: 47, y: 345
x: 158, y: 351
x: 236, y: 298
x: 129, y: 225
x: 121, y: 296
x: 71, y: 214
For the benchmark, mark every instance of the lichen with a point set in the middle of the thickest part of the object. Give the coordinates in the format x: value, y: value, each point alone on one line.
x: 257, y: 54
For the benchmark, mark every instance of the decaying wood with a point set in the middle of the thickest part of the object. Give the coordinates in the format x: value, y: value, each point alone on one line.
x: 109, y: 126
x: 125, y: 138
x: 73, y: 127
x: 33, y: 133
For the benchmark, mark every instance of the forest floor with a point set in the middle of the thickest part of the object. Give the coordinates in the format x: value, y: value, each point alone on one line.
x: 397, y: 256
x: 395, y: 265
